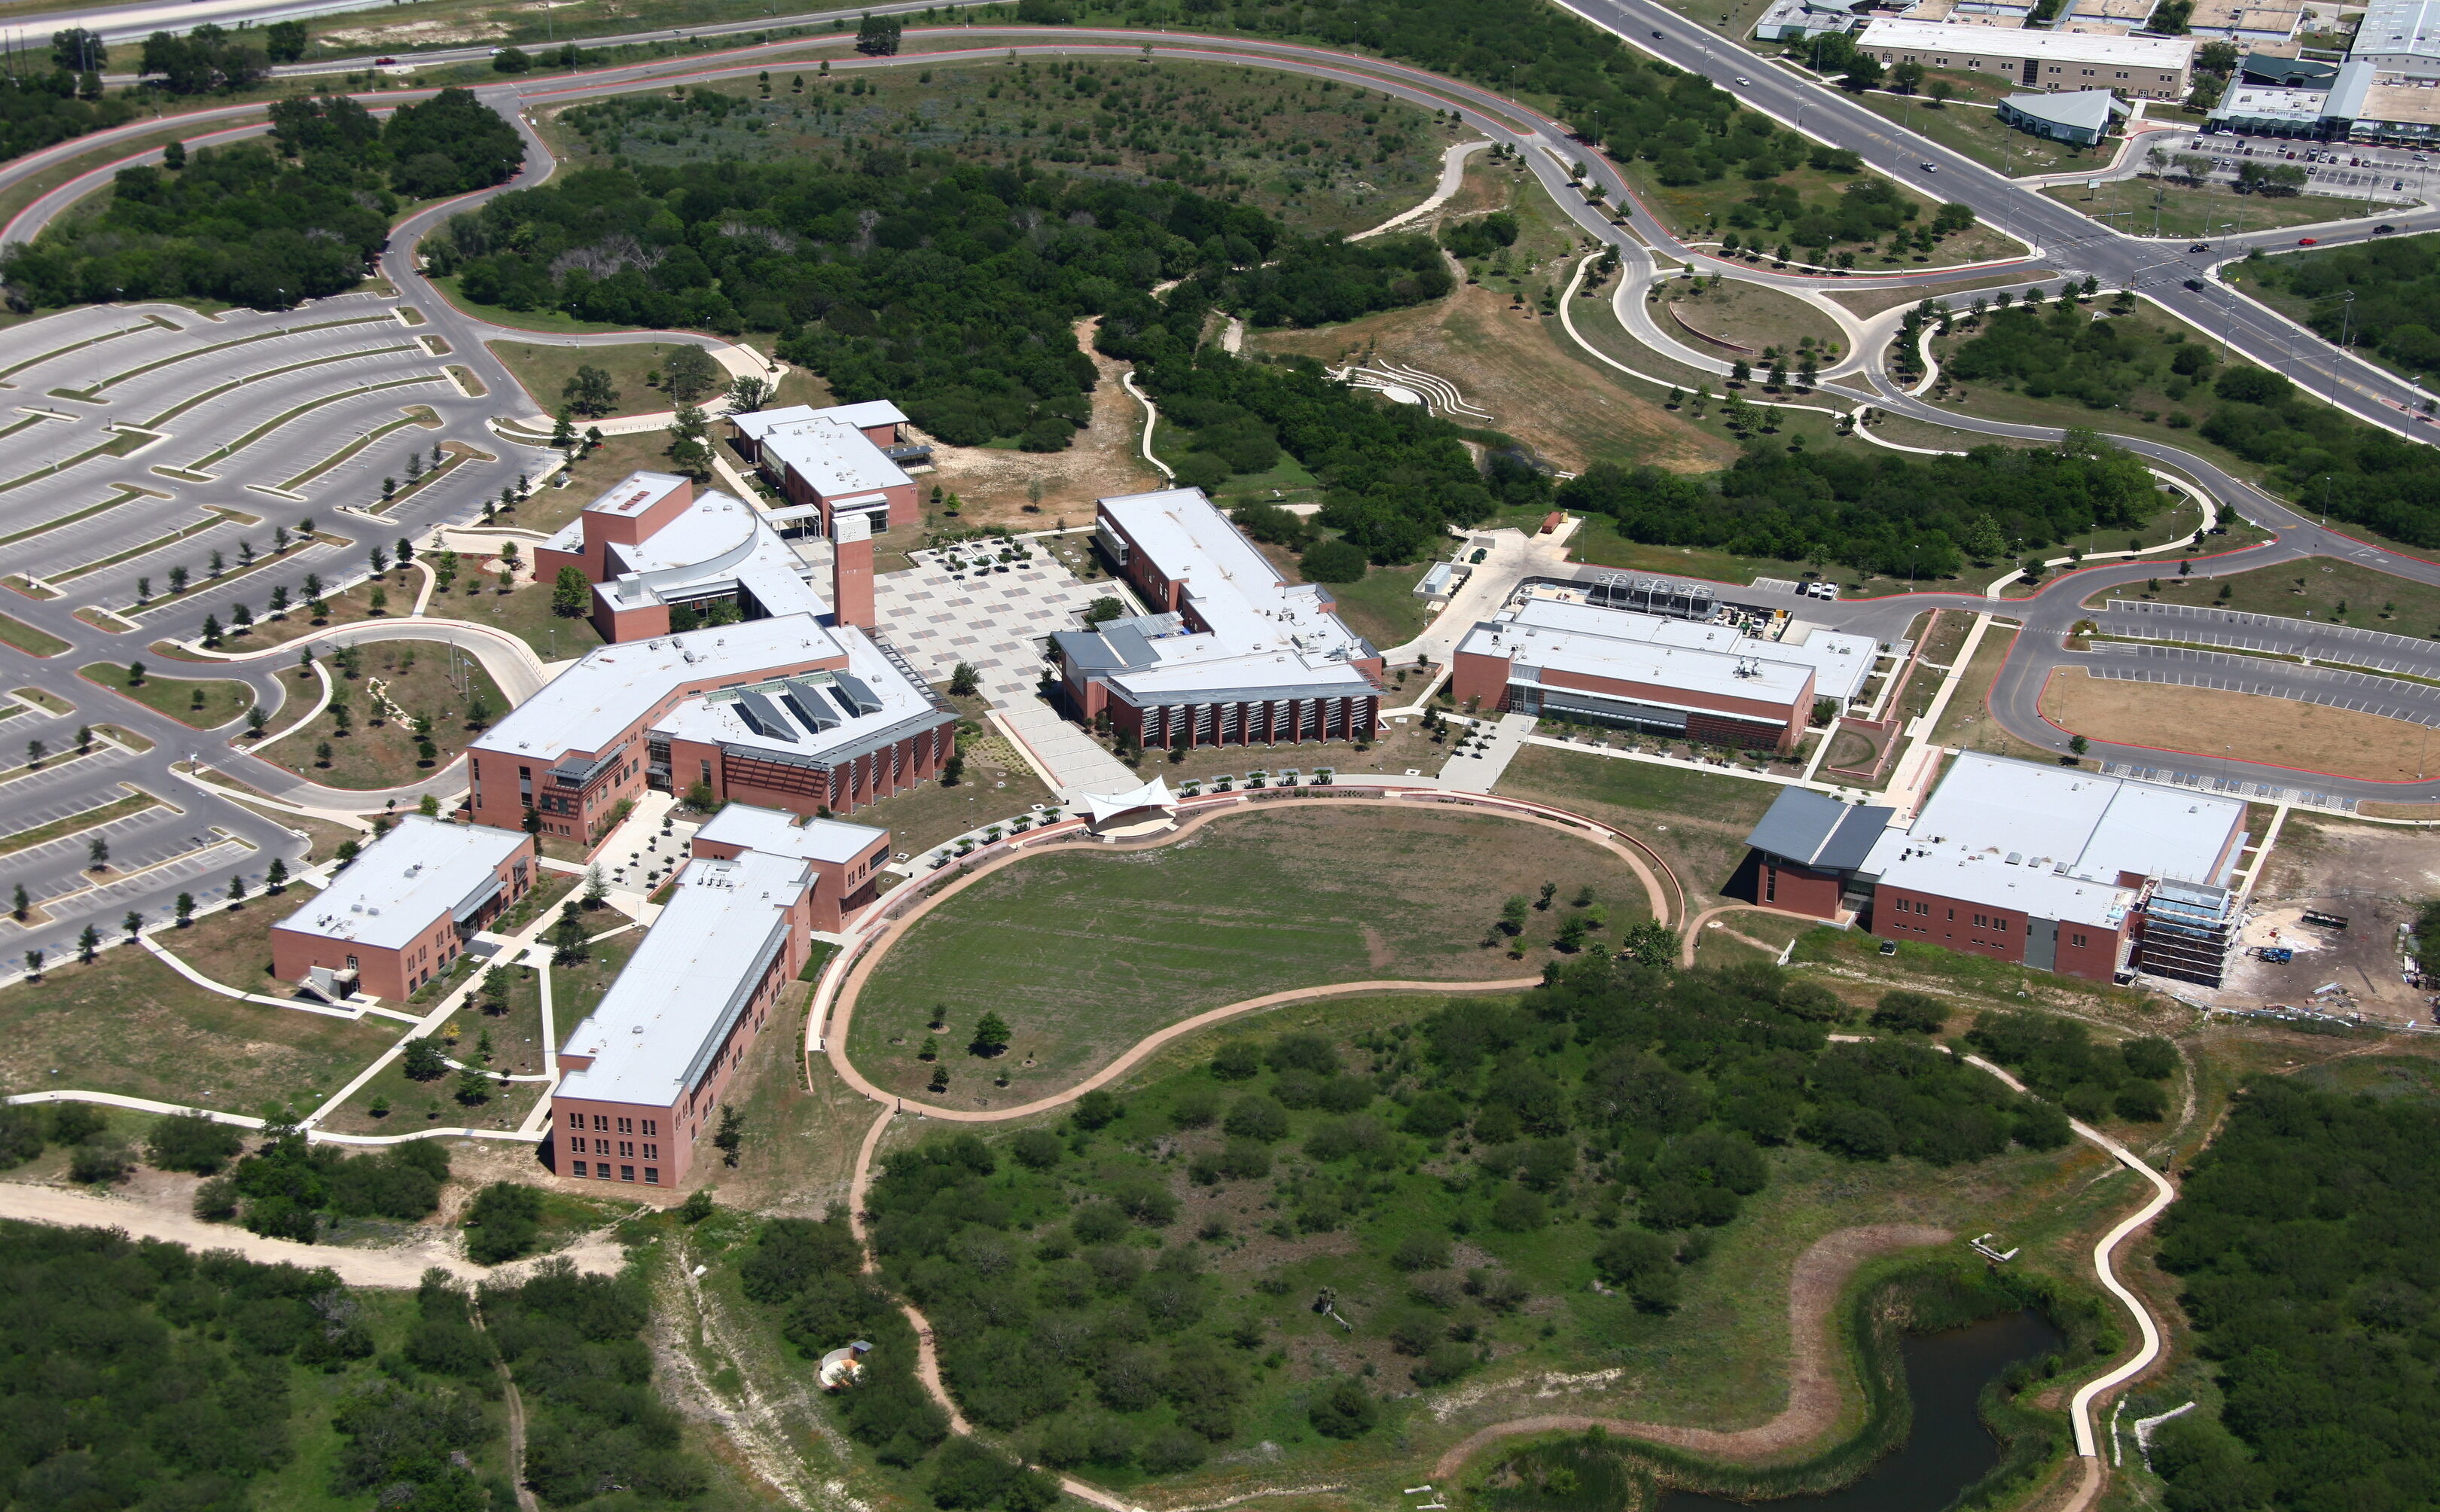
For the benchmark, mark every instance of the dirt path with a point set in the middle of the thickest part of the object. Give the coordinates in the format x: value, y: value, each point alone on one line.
x: 527, y: 1500
x: 1694, y: 926
x: 1813, y: 1388
x: 399, y: 1267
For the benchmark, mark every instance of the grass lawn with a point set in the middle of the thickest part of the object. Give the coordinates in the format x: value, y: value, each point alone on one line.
x: 1083, y: 954
x: 1967, y: 720
x: 27, y: 638
x: 587, y: 477
x: 1700, y: 211
x: 996, y: 785
x: 575, y: 989
x: 233, y: 945
x: 1745, y: 314
x: 1977, y: 130
x: 399, y: 589
x: 1697, y: 821
x: 1383, y: 607
x: 128, y: 1024
x: 378, y: 749
x: 524, y: 612
x: 2129, y: 203
x: 2323, y: 588
x: 203, y: 703
x: 545, y: 372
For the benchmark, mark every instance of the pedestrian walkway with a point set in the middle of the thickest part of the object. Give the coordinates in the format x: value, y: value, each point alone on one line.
x: 1075, y: 762
x: 1478, y: 771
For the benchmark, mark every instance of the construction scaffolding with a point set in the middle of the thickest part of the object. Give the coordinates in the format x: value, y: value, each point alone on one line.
x: 2190, y: 930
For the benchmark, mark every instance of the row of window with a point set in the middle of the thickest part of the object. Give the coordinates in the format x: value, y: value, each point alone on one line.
x: 626, y: 1125
x: 626, y: 1147
x: 626, y: 1173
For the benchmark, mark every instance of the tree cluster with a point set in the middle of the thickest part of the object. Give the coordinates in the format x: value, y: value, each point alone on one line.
x: 37, y: 109
x: 2065, y: 351
x: 2396, y: 287
x: 2302, y: 1236
x: 2058, y: 1058
x: 1895, y: 515
x: 268, y: 226
x: 813, y: 1273
x: 575, y: 1345
x: 1319, y: 281
x: 140, y: 1374
x: 952, y: 290
x: 286, y: 1188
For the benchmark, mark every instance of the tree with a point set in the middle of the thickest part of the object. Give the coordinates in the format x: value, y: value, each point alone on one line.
x: 275, y: 880
x: 1332, y: 561
x: 35, y: 752
x: 424, y: 1060
x: 590, y: 392
x: 284, y: 42
x: 747, y: 394
x: 1863, y: 72
x: 1907, y: 77
x: 512, y: 61
x: 570, y: 594
x: 990, y: 1036
x: 186, y: 909
x: 136, y: 675
x: 2078, y: 744
x: 79, y: 52
x: 964, y: 681
x: 568, y: 940
x: 474, y: 1088
x: 503, y: 1222
x: 18, y: 904
x: 1343, y: 1410
x: 237, y: 888
x: 1103, y: 609
x: 1938, y: 89
x: 689, y: 374
x: 730, y: 1138
x: 97, y: 853
x: 2215, y: 57
x: 596, y: 888
x: 133, y: 925
x: 1513, y: 914
x: 34, y: 965
x: 88, y: 944
x: 877, y: 36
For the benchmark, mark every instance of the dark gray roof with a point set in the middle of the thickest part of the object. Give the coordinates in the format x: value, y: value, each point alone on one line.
x: 2287, y: 73
x: 1115, y: 647
x: 1815, y: 829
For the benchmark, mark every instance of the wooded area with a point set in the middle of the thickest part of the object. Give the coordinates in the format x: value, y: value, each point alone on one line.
x: 2396, y: 286
x: 1897, y: 515
x: 267, y: 226
x: 2303, y: 1236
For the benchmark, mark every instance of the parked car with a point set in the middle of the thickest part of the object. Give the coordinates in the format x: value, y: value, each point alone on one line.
x: 2306, y: 240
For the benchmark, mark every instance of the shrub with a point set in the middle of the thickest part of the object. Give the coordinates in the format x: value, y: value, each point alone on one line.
x: 1518, y: 1211
x: 192, y: 1142
x: 1196, y: 1107
x: 1236, y: 1060
x: 1037, y: 1149
x: 1421, y: 1251
x: 1332, y: 561
x: 1097, y: 1109
x: 2152, y: 1059
x: 2143, y: 1102
x: 1909, y: 1013
x: 503, y: 1222
x: 1343, y: 1411
x: 1256, y: 1117
x: 101, y: 1159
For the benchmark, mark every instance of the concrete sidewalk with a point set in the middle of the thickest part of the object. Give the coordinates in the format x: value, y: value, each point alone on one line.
x: 1074, y: 759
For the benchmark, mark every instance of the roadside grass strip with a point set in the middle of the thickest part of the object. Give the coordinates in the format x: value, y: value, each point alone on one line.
x: 132, y: 615
x: 121, y: 493
x: 472, y: 386
x: 19, y: 582
x: 220, y: 516
x: 119, y: 445
x: 148, y: 323
x: 136, y: 802
x: 27, y: 638
x: 115, y: 379
x: 416, y: 415
x: 188, y: 404
x: 258, y: 432
x: 34, y: 418
x: 198, y: 702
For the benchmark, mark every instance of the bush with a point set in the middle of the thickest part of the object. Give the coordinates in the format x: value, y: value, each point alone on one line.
x: 2152, y: 1059
x: 1037, y: 1149
x: 1909, y: 1013
x: 1097, y: 1109
x: 1236, y: 1060
x: 503, y: 1222
x: 1196, y: 1107
x: 1421, y: 1251
x: 1343, y: 1410
x: 1641, y: 1264
x: 1332, y: 561
x: 1256, y: 1117
x: 192, y: 1142
x: 101, y: 1159
x: 2143, y: 1102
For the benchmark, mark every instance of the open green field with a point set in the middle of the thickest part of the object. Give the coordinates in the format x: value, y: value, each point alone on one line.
x: 206, y: 703
x: 1083, y: 954
x: 2323, y: 588
x: 1697, y: 821
x: 1700, y: 210
x: 128, y: 1024
x: 379, y: 749
x: 1976, y: 130
x: 544, y: 372
x: 2129, y: 206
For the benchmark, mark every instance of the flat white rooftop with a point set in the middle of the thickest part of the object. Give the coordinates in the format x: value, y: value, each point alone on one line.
x: 1266, y: 632
x: 591, y: 703
x: 1920, y: 37
x: 775, y: 833
x: 817, y: 719
x: 761, y: 422
x: 2011, y: 830
x: 1595, y: 652
x: 656, y: 1028
x: 715, y: 545
x: 832, y: 455
x: 401, y: 882
x: 1840, y: 662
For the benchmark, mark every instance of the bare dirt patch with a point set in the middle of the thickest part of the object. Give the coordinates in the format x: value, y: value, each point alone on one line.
x: 995, y: 485
x: 2371, y: 875
x: 2243, y: 726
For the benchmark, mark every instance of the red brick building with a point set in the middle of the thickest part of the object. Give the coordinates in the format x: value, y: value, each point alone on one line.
x: 836, y: 461
x: 401, y: 912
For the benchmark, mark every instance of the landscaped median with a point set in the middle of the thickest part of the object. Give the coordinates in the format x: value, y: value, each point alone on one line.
x: 206, y: 703
x: 29, y: 639
x: 134, y: 802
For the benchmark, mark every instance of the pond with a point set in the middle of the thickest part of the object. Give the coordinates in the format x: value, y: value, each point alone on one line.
x: 1948, y: 1448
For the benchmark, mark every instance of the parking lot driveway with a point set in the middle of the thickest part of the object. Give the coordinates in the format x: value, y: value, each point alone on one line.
x: 994, y: 622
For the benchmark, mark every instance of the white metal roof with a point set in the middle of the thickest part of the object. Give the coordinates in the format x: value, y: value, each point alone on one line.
x: 761, y: 422
x: 775, y: 833
x: 675, y: 1002
x: 591, y: 703
x: 1590, y: 652
x: 896, y: 701
x: 1840, y: 662
x: 2071, y: 831
x: 832, y: 455
x: 2169, y: 54
x: 403, y: 881
x: 2403, y: 30
x: 1266, y: 632
x: 713, y: 545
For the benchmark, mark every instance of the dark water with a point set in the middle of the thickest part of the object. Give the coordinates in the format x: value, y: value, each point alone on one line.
x: 1948, y: 1448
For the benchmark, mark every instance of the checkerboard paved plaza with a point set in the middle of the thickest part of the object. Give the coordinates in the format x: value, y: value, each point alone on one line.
x: 992, y: 621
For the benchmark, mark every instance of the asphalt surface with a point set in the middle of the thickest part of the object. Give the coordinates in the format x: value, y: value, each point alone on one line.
x: 2064, y: 243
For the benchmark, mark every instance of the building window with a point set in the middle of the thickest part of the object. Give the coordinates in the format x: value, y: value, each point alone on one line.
x: 651, y: 1152
x: 652, y: 1125
x: 1770, y: 884
x: 601, y: 1121
x: 601, y: 1172
x: 580, y: 1169
x: 627, y: 1149
x: 651, y: 1175
x: 626, y: 1125
x: 2077, y: 940
x: 626, y: 1173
